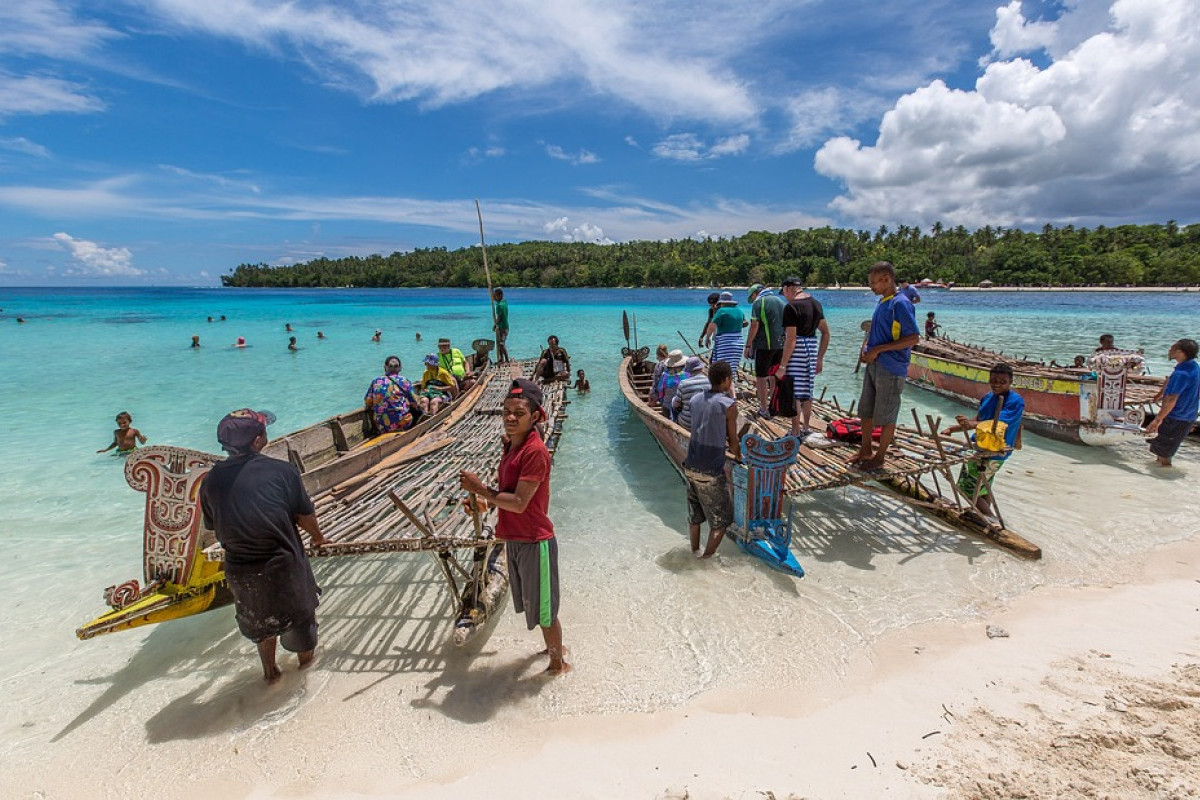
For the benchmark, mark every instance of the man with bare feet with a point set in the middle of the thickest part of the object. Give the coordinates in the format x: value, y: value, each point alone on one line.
x: 255, y: 503
x: 886, y: 354
x: 522, y: 498
x: 713, y: 419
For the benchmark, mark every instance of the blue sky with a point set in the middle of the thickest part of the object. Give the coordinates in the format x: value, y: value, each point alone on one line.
x: 166, y: 141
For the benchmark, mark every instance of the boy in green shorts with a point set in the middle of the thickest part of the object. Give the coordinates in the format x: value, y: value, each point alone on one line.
x: 522, y: 498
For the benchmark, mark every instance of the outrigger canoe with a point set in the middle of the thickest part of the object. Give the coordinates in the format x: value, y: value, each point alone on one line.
x: 179, y: 579
x: 1102, y: 404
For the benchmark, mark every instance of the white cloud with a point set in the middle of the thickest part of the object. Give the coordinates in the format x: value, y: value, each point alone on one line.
x: 217, y: 180
x: 89, y: 258
x: 632, y: 142
x: 48, y: 28
x: 458, y: 50
x: 20, y: 144
x: 690, y: 147
x: 814, y: 114
x: 582, y: 157
x: 578, y: 233
x: 620, y: 217
x: 1109, y: 128
x: 40, y: 94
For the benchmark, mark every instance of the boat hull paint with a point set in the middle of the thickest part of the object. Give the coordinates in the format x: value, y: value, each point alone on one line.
x: 1054, y: 408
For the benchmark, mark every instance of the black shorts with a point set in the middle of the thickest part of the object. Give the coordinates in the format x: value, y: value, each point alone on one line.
x: 1171, y: 434
x: 764, y: 360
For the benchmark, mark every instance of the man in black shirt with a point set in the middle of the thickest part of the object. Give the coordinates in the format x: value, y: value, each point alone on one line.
x: 254, y: 504
x: 803, y: 354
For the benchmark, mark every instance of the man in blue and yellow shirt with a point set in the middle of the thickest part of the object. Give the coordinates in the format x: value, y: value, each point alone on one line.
x: 886, y: 354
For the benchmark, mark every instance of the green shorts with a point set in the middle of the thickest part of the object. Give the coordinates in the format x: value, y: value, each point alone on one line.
x: 968, y: 479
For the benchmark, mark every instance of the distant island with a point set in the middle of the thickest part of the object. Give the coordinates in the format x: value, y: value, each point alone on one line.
x: 1121, y: 256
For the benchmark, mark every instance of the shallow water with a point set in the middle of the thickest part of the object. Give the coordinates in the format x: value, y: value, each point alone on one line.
x: 649, y: 627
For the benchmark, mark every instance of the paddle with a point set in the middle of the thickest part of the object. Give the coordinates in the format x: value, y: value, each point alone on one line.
x: 625, y: 326
x: 865, y: 327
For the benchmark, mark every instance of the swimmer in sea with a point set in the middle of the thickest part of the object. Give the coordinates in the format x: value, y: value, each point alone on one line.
x: 241, y: 342
x: 418, y: 336
x: 20, y: 320
x: 125, y: 437
x: 378, y: 335
x: 210, y: 319
x: 320, y: 335
x: 287, y: 326
x: 195, y: 341
x: 581, y: 382
x: 292, y: 344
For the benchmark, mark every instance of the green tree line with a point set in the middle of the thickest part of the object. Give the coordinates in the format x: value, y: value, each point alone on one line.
x: 1125, y: 255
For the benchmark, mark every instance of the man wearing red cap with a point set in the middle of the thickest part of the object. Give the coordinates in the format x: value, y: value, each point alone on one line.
x: 254, y: 503
x: 522, y: 497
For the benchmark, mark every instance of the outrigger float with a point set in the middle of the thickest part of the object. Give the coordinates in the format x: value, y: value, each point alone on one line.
x: 373, y: 495
x: 917, y: 469
x: 1101, y: 404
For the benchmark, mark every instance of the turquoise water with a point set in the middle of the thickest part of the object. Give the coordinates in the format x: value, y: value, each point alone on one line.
x: 651, y: 628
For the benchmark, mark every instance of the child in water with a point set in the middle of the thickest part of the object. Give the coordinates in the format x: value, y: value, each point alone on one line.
x: 195, y: 341
x: 126, y: 437
x: 292, y: 344
x: 581, y: 383
x: 931, y: 326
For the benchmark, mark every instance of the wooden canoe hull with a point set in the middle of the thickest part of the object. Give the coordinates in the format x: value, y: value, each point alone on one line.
x: 1057, y: 407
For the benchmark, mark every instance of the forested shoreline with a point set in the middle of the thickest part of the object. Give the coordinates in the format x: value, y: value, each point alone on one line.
x: 1126, y: 255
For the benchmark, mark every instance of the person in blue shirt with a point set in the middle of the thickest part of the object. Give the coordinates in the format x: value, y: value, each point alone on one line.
x: 1180, y: 399
x: 1001, y: 405
x: 909, y: 291
x: 886, y: 354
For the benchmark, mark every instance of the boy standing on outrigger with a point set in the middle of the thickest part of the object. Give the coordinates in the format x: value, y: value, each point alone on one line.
x: 999, y: 407
x: 889, y: 345
x: 522, y: 499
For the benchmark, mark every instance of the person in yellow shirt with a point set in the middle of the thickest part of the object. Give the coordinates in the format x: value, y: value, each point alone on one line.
x: 452, y: 360
x: 437, y: 386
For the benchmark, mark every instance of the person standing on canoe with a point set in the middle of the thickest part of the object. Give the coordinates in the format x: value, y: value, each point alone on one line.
x: 713, y: 298
x: 803, y: 354
x: 713, y: 417
x: 1000, y: 414
x: 522, y: 500
x: 255, y: 503
x: 501, y: 326
x: 724, y: 332
x: 889, y: 345
x: 1180, y: 399
x: 764, y: 340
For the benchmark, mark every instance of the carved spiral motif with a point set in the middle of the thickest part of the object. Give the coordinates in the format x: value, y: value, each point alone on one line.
x: 123, y: 595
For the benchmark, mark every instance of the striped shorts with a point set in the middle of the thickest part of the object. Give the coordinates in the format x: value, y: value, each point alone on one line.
x: 728, y: 347
x: 803, y: 367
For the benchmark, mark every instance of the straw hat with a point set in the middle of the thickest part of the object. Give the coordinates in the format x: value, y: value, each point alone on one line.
x: 675, y: 359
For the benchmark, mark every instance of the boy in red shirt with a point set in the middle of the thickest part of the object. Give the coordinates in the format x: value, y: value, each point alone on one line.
x: 522, y: 498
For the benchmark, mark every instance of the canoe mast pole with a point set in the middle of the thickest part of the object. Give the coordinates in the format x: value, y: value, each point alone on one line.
x: 487, y: 272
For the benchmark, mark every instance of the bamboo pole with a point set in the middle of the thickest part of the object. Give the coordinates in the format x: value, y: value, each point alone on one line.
x: 486, y: 271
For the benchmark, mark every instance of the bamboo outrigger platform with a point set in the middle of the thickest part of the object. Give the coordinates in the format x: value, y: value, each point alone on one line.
x: 917, y: 468
x: 395, y: 493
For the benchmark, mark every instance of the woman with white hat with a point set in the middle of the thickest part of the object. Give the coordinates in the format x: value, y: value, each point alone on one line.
x: 725, y: 332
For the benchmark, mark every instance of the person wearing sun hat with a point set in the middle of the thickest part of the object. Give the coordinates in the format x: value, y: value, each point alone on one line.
x: 522, y: 499
x: 255, y: 503
x: 668, y: 383
x: 724, y: 332
x: 695, y: 381
x: 437, y: 386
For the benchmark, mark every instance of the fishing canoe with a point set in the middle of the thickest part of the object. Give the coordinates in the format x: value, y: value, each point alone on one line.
x: 1099, y: 405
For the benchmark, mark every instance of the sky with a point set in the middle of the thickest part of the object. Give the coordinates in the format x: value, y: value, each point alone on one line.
x: 164, y: 142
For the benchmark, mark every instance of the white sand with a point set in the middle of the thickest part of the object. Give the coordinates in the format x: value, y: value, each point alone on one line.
x: 1095, y: 692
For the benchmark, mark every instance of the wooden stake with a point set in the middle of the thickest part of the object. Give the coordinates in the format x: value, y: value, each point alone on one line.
x: 487, y: 272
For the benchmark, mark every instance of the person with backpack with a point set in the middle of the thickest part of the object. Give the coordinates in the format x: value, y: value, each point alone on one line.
x: 764, y: 340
